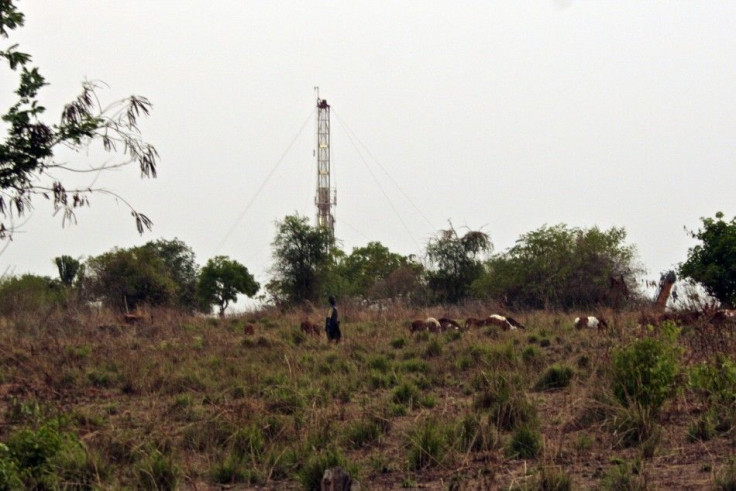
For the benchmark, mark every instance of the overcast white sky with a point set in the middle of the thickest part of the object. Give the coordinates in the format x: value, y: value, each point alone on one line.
x: 501, y: 116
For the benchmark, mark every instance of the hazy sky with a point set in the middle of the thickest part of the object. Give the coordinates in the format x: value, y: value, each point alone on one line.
x: 497, y: 115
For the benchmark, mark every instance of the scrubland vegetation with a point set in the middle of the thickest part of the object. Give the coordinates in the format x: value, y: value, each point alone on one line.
x: 180, y: 401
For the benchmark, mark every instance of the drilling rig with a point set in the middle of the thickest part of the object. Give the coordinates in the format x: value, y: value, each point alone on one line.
x: 326, y: 196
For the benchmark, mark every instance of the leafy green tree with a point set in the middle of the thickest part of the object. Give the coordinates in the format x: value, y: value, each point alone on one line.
x: 222, y: 279
x: 27, y: 165
x: 455, y: 262
x: 302, y: 261
x: 181, y: 266
x: 128, y: 278
x: 68, y: 268
x: 562, y: 267
x: 713, y: 262
x: 367, y: 267
x: 29, y: 293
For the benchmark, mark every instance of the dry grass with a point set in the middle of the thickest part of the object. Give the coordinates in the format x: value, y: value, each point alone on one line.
x: 186, y: 401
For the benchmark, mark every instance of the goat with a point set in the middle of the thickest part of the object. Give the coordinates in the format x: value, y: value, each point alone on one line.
x: 591, y: 322
x: 310, y: 328
x: 505, y: 323
x: 474, y: 322
x: 448, y: 324
x: 433, y: 324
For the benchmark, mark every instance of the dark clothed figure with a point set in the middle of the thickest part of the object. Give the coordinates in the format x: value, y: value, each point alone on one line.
x: 332, y: 323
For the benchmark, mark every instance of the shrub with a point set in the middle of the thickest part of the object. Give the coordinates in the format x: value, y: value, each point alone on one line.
x: 314, y: 468
x: 703, y: 429
x: 406, y: 394
x: 9, y: 475
x: 726, y: 478
x: 367, y: 431
x: 476, y: 433
x: 624, y: 476
x: 398, y: 343
x: 46, y: 458
x: 504, y: 399
x: 427, y: 445
x: 526, y: 443
x: 159, y: 471
x: 531, y: 355
x: 433, y: 349
x: 635, y: 425
x: 555, y: 377
x: 379, y: 363
x: 645, y: 373
x: 230, y: 471
x: 553, y: 479
x: 718, y: 382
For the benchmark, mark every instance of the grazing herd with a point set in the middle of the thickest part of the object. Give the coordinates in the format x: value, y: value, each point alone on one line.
x: 432, y: 324
x: 506, y: 323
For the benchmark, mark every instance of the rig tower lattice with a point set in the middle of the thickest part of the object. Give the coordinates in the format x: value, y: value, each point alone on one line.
x: 326, y: 196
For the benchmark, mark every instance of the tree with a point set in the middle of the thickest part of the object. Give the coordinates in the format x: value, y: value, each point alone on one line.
x: 161, y: 273
x: 302, y: 261
x: 68, y: 268
x: 179, y: 260
x: 128, y: 278
x: 367, y: 266
x: 561, y: 267
x: 222, y: 279
x: 27, y: 165
x: 455, y: 262
x: 713, y: 262
x: 30, y: 293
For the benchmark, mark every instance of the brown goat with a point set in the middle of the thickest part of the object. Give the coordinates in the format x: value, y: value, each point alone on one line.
x: 449, y: 324
x: 505, y: 323
x: 590, y: 321
x: 310, y: 328
x: 474, y: 322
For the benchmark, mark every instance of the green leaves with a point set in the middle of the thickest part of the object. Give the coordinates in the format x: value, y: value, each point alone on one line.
x: 713, y: 262
x: 561, y: 267
x: 221, y: 279
x: 455, y: 262
x: 27, y: 152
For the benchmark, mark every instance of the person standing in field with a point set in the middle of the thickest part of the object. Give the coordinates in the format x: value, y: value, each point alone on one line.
x: 332, y: 322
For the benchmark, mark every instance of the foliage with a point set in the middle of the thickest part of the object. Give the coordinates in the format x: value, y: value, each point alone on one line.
x: 316, y: 463
x: 644, y: 373
x: 427, y: 444
x: 502, y: 396
x: 159, y: 471
x: 717, y: 380
x: 561, y: 267
x: 302, y: 261
x: 624, y: 475
x: 726, y: 478
x: 27, y: 165
x: 374, y: 272
x: 455, y: 262
x: 160, y: 273
x: 127, y: 278
x: 68, y: 268
x: 713, y: 262
x: 526, y: 443
x: 222, y: 279
x: 45, y: 458
x: 29, y: 293
x: 555, y: 377
x: 180, y: 263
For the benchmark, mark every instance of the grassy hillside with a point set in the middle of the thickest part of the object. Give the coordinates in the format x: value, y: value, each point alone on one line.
x: 177, y: 402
